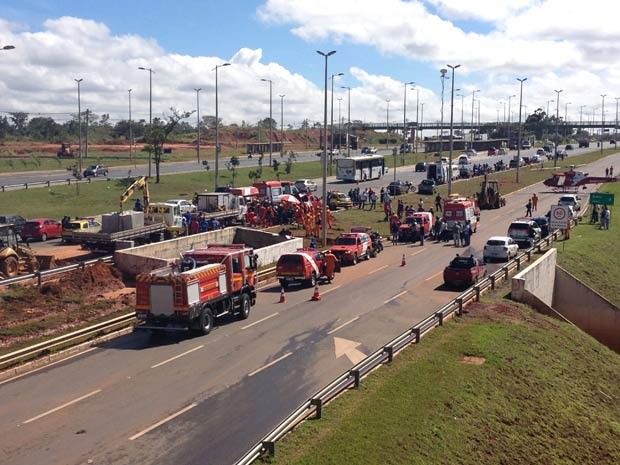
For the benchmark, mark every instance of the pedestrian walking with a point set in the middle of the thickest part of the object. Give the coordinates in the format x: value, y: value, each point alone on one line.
x: 611, y: 171
x: 395, y: 227
x: 606, y: 172
x: 373, y: 200
x: 528, y: 208
x: 438, y: 203
x: 535, y: 201
x: 467, y: 234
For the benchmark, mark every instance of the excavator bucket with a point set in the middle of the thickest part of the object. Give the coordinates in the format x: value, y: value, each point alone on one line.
x: 45, y: 262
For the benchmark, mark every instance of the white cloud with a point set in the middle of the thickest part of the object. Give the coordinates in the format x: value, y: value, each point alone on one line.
x: 481, y: 10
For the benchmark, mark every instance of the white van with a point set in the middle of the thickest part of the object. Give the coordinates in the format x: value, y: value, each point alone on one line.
x: 455, y: 172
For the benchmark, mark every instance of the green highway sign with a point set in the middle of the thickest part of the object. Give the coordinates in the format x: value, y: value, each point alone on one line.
x: 601, y: 199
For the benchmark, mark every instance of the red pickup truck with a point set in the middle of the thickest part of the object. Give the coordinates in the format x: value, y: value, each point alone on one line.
x: 351, y: 247
x: 304, y: 266
x: 464, y: 271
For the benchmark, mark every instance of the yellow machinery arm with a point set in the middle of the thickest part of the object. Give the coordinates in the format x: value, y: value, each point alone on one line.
x: 140, y: 184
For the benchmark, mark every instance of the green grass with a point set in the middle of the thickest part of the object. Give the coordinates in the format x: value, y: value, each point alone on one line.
x: 587, y: 254
x: 546, y: 394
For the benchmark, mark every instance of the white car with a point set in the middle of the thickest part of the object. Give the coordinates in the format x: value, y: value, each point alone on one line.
x: 500, y: 247
x: 471, y: 152
x: 306, y: 185
x: 535, y: 158
x: 571, y: 200
x: 184, y: 205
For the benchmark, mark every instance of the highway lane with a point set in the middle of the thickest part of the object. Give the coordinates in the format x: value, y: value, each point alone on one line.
x: 93, y: 404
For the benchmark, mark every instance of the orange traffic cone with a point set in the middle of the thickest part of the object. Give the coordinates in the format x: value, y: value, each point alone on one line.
x: 282, y: 296
x: 404, y: 262
x: 316, y: 296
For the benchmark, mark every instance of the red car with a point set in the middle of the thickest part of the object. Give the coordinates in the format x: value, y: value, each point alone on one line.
x: 464, y: 271
x: 41, y: 229
x: 351, y: 247
x: 304, y: 266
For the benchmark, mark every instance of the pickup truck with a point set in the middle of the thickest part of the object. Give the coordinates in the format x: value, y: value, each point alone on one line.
x: 351, y: 247
x: 464, y: 271
x: 304, y: 266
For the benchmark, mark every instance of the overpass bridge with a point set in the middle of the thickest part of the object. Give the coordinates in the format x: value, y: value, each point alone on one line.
x: 467, y: 125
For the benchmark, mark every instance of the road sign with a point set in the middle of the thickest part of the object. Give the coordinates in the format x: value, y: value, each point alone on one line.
x: 601, y: 199
x: 560, y: 215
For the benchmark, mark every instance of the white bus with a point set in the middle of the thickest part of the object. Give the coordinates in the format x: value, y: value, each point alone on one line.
x: 361, y: 168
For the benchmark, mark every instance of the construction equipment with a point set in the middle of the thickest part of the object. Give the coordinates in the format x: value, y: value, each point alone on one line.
x: 139, y: 184
x: 65, y: 151
x: 16, y: 258
x: 489, y: 196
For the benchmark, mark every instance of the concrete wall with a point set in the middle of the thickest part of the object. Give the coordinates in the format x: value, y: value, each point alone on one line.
x: 268, y: 247
x: 537, y: 279
x: 587, y: 309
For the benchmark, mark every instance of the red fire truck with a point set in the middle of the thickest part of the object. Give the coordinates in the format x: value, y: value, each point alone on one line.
x: 207, y: 283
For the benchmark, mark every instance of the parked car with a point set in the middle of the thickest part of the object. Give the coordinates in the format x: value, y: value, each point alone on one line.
x: 525, y: 144
x: 306, y: 185
x: 571, y: 200
x: 333, y: 152
x: 541, y: 152
x: 95, y: 170
x: 471, y: 152
x: 339, y: 200
x: 502, y: 151
x: 562, y: 154
x: 41, y: 229
x: 365, y: 150
x: 543, y: 224
x: 569, y: 147
x: 513, y: 162
x: 464, y: 271
x: 304, y: 266
x: 420, y: 167
x: 18, y: 221
x: 184, y: 205
x: 399, y: 187
x: 524, y: 232
x: 500, y: 247
x: 427, y: 187
x: 612, y: 141
x: 535, y: 158
x: 492, y: 151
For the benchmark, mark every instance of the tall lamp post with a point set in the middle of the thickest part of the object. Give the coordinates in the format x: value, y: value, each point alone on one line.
x: 521, y: 80
x: 616, y: 126
x: 217, y: 128
x: 150, y: 70
x: 557, y: 131
x: 79, y: 121
x: 602, y: 120
x: 566, y: 117
x: 581, y: 107
x: 405, y: 119
x: 453, y: 68
x: 130, y: 128
x: 331, y: 127
x: 348, y: 120
x: 270, y: 117
x: 443, y: 72
x: 422, y: 121
x: 510, y: 97
x: 326, y: 55
x: 282, y: 123
x: 471, y: 141
x: 339, y: 124
x: 198, y: 123
x: 462, y: 126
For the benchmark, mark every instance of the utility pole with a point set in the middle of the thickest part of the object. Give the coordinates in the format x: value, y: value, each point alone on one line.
x: 602, y: 121
x: 331, y: 127
x: 453, y: 68
x: 198, y: 123
x: 348, y: 120
x: 79, y: 122
x: 282, y: 124
x: 557, y: 130
x: 217, y: 128
x: 405, y: 120
x: 471, y: 142
x: 130, y: 129
x: 86, y: 134
x: 519, y: 133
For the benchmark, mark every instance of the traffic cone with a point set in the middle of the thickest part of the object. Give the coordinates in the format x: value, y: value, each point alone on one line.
x: 282, y: 296
x: 404, y: 262
x: 316, y: 296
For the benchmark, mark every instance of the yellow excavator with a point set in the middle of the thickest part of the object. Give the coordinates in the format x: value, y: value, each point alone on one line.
x: 139, y: 184
x: 16, y: 258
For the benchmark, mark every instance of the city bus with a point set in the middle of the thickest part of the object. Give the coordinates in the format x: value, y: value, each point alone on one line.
x: 361, y: 168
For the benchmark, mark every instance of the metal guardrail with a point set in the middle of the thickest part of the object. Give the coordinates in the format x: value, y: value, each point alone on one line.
x: 62, y: 269
x: 352, y: 377
x: 68, y: 181
x: 43, y: 348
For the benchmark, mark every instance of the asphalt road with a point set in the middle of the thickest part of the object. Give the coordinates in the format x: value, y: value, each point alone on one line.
x: 205, y: 400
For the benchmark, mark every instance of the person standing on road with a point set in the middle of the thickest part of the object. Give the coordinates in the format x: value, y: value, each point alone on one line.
x: 373, y: 200
x: 394, y: 229
x: 456, y: 234
x: 330, y: 265
x: 606, y: 172
x: 528, y: 208
x: 535, y: 201
x: 611, y: 171
x: 438, y: 203
x: 467, y: 233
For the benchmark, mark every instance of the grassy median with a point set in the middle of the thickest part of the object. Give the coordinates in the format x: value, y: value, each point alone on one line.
x: 502, y: 385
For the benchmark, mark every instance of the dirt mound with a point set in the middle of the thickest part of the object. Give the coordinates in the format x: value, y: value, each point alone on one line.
x: 98, y: 278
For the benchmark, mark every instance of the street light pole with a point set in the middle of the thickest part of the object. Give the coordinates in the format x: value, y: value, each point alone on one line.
x: 198, y: 123
x: 443, y: 72
x: 217, y: 129
x: 324, y: 158
x: 79, y: 121
x: 387, y: 126
x: 348, y: 120
x: 130, y: 129
x: 150, y: 70
x: 339, y: 125
x: 616, y: 127
x: 519, y: 132
x: 557, y: 131
x: 581, y: 114
x: 462, y: 125
x: 405, y: 119
x: 417, y: 108
x: 471, y: 142
x: 602, y: 121
x: 270, y: 118
x: 453, y: 68
x: 282, y: 123
x: 566, y: 118
x: 331, y: 126
x: 422, y: 122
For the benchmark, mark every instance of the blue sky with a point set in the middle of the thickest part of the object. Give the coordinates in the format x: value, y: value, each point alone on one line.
x: 379, y: 45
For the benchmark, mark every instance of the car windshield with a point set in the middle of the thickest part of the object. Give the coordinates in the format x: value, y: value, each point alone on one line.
x: 93, y: 167
x: 346, y: 241
x: 427, y: 182
x: 496, y: 242
x: 462, y: 263
x: 74, y: 226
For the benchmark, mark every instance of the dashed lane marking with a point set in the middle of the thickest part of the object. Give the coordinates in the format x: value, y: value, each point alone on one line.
x: 331, y: 289
x: 259, y: 321
x: 394, y: 298
x: 343, y: 325
x: 378, y: 269
x: 279, y: 359
x: 60, y: 407
x: 165, y: 420
x: 433, y: 276
x: 178, y: 356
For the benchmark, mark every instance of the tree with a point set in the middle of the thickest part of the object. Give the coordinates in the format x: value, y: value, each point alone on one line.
x: 258, y: 172
x: 5, y: 127
x: 19, y: 120
x: 43, y: 129
x: 208, y: 121
x: 232, y: 165
x: 157, y: 135
x: 266, y: 123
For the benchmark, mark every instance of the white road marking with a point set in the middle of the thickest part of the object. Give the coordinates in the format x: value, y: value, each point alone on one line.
x: 395, y: 297
x: 378, y: 269
x: 178, y: 356
x: 343, y: 325
x: 259, y: 321
x: 60, y: 407
x: 332, y: 289
x: 47, y: 365
x: 434, y: 276
x: 165, y: 420
x: 417, y: 252
x: 270, y: 364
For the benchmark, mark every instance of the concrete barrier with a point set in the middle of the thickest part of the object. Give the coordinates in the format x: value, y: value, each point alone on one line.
x: 537, y: 279
x: 268, y: 247
x: 587, y: 309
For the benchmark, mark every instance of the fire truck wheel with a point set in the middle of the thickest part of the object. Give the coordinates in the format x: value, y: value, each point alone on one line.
x: 205, y: 321
x: 312, y: 280
x: 244, y: 307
